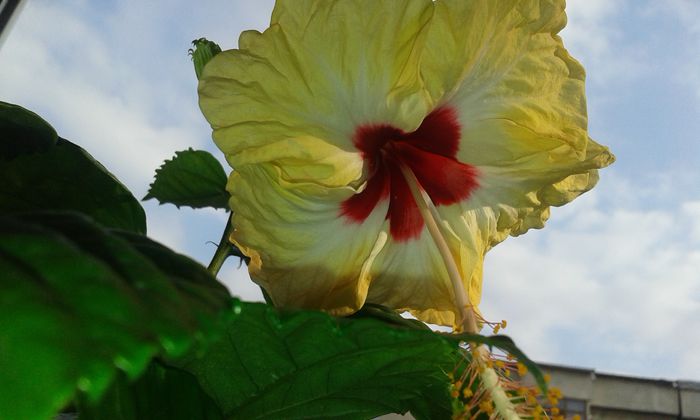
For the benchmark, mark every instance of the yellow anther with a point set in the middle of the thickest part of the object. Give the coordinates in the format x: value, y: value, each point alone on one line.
x: 496, y: 328
x: 467, y: 393
x: 531, y: 399
x: 486, y: 407
x: 501, y: 364
x: 554, y: 411
x: 554, y: 392
x: 522, y: 369
x: 504, y: 324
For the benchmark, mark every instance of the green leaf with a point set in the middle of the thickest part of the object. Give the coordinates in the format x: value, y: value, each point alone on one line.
x: 388, y: 315
x: 22, y: 131
x: 40, y: 171
x: 506, y: 344
x: 310, y: 365
x: 192, y: 178
x: 161, y: 393
x: 204, y: 50
x: 66, y: 177
x: 80, y: 302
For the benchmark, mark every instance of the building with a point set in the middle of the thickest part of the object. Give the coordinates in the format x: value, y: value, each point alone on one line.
x: 602, y: 396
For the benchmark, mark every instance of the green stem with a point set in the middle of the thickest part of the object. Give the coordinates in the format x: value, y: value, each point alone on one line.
x: 223, y: 250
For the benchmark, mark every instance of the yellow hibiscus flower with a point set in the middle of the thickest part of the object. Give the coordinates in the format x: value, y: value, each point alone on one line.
x: 339, y: 108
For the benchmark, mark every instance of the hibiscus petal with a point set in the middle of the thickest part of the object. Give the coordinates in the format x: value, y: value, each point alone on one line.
x: 321, y: 69
x: 359, y: 206
x: 496, y: 114
x: 301, y: 252
x: 411, y: 275
x: 519, y: 99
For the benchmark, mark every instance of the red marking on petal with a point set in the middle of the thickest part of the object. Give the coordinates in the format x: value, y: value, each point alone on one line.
x: 369, y: 139
x: 438, y: 133
x: 430, y: 152
x: 358, y: 207
x: 405, y: 220
x: 446, y: 180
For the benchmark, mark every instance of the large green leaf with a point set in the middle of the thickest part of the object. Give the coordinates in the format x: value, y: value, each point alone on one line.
x: 40, y: 172
x: 80, y: 302
x: 192, y: 178
x: 310, y: 365
x: 66, y: 177
x: 22, y: 131
x: 161, y: 393
x: 501, y: 342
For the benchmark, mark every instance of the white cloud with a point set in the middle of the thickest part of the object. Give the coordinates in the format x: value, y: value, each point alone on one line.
x: 235, y: 277
x: 611, y: 287
x: 691, y: 211
x: 60, y: 67
x: 116, y: 79
x: 593, y: 35
x: 167, y: 227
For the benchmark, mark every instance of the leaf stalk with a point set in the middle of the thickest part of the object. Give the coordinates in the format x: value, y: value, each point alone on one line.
x: 223, y: 250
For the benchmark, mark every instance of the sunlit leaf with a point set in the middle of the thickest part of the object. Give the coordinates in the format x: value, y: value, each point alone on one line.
x: 310, y: 365
x: 80, y: 302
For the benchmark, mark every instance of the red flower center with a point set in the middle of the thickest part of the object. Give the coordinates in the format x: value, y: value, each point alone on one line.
x: 430, y: 152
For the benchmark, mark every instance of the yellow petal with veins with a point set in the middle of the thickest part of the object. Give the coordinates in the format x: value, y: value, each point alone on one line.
x: 286, y: 106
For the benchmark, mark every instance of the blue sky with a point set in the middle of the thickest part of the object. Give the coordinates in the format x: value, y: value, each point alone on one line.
x: 613, y: 281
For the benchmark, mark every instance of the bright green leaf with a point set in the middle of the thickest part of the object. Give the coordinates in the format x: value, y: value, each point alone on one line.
x: 80, y: 303
x: 310, y: 365
x: 22, y: 131
x: 192, y: 178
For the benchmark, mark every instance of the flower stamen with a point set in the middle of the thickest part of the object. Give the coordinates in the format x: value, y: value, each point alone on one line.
x: 467, y: 323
